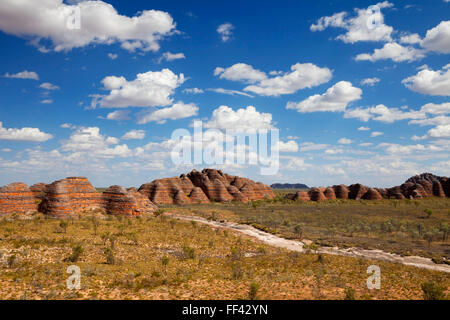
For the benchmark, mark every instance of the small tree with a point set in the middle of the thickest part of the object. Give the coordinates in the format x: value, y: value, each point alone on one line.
x: 95, y: 224
x: 64, y: 224
x: 428, y: 212
x: 109, y: 253
x: 298, y: 230
x: 253, y: 292
x: 349, y: 294
x: 432, y: 291
x: 76, y: 252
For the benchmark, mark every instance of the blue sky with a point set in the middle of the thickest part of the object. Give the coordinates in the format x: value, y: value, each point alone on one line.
x: 358, y: 95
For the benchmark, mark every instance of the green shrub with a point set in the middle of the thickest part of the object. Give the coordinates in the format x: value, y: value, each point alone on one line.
x: 76, y: 252
x: 253, y: 292
x: 349, y: 294
x: 432, y: 291
x: 189, y: 253
x: 428, y: 212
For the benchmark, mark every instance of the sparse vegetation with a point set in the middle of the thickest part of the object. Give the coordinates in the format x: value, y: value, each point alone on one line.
x: 433, y: 291
x: 189, y: 262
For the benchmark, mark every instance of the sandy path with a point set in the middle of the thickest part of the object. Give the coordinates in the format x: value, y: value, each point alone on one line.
x: 296, y: 245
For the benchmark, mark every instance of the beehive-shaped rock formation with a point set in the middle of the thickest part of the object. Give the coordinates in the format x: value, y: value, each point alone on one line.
x: 17, y: 198
x: 315, y: 194
x: 70, y: 196
x: 420, y: 186
x: 119, y: 201
x: 39, y: 190
x: 201, y: 187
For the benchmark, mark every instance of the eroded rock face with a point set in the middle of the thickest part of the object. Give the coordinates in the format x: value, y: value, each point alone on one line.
x: 372, y: 194
x: 357, y: 191
x: 39, y: 190
x: 315, y: 194
x: 341, y: 191
x: 329, y: 193
x: 70, y: 196
x: 205, y: 186
x: 17, y: 198
x: 119, y: 201
x: 417, y: 187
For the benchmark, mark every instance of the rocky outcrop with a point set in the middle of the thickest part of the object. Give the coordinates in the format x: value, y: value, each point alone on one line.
x: 119, y: 201
x: 205, y: 186
x: 39, y: 190
x: 357, y: 191
x: 315, y: 194
x: 70, y: 196
x: 417, y: 187
x: 341, y: 191
x: 17, y: 198
x: 372, y: 194
x: 329, y: 193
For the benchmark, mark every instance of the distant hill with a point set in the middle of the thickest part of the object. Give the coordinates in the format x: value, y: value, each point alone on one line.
x: 289, y: 186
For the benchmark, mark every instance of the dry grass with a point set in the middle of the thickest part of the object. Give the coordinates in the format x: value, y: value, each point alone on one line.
x: 162, y: 258
x: 399, y: 226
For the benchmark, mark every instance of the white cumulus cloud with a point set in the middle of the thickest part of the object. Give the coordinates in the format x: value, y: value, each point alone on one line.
x: 427, y: 81
x: 23, y: 75
x: 335, y: 98
x: 78, y: 25
x: 179, y: 110
x: 23, y: 134
x: 149, y: 89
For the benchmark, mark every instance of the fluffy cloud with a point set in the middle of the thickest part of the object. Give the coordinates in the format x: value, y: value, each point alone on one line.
x: 363, y: 128
x: 427, y: 81
x: 366, y: 25
x: 171, y: 56
x: 345, y: 141
x: 149, y: 89
x: 90, y: 141
x: 301, y: 76
x: 48, y: 86
x: 84, y: 23
x: 179, y: 110
x: 118, y: 115
x: 383, y: 114
x: 23, y: 134
x: 393, y: 51
x: 289, y: 146
x: 225, y: 31
x: 335, y: 98
x: 240, y: 72
x: 23, y: 75
x: 438, y: 38
x: 134, y: 135
x: 113, y: 56
x: 413, y: 38
x: 248, y: 119
x: 370, y: 81
x: 376, y: 134
x: 432, y: 108
x: 393, y: 148
x: 441, y: 131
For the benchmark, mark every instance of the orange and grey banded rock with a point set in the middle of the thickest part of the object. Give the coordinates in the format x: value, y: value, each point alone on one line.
x: 17, y: 198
